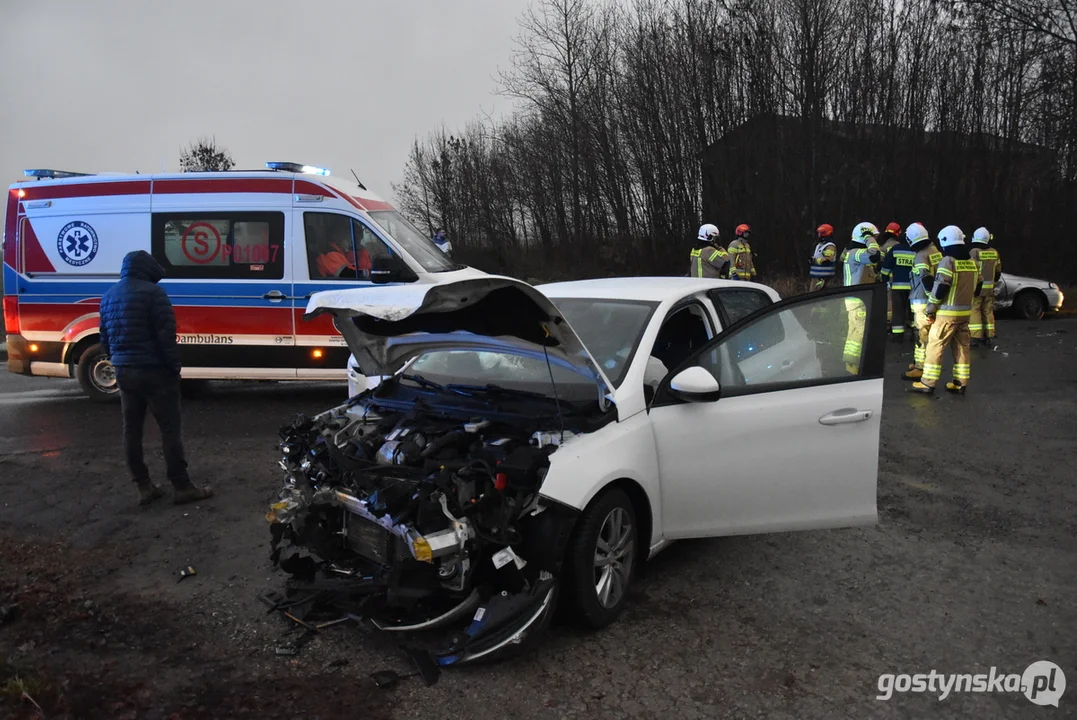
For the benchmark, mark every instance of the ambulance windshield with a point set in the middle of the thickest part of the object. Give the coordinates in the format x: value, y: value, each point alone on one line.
x: 413, y: 242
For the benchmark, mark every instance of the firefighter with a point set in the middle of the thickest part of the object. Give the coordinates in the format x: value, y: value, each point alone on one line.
x: 896, y: 271
x: 921, y: 282
x: 858, y: 268
x: 890, y: 237
x: 949, y: 304
x: 742, y: 266
x: 823, y: 259
x: 708, y: 258
x: 982, y: 321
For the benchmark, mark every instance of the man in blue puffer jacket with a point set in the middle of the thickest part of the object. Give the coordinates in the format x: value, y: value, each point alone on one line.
x: 138, y: 334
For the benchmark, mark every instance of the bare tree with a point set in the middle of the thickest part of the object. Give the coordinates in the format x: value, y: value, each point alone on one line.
x: 204, y: 155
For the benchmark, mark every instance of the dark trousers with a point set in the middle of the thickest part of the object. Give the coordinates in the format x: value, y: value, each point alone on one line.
x: 159, y: 391
x: 900, y: 303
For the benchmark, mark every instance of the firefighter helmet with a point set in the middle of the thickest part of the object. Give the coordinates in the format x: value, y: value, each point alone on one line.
x: 708, y: 233
x: 894, y: 229
x: 743, y: 229
x: 951, y: 235
x: 916, y: 233
x: 863, y: 231
x: 824, y: 231
x: 982, y: 236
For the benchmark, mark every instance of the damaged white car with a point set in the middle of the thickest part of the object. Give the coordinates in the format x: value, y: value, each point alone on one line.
x: 534, y: 446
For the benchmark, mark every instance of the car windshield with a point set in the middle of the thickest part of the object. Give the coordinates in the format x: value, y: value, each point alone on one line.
x: 413, y: 242
x: 609, y: 329
x: 482, y: 368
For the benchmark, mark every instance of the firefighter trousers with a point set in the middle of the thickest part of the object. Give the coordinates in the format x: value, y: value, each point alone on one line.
x: 982, y: 321
x: 854, y: 337
x: 923, y: 329
x: 899, y: 305
x: 953, y: 333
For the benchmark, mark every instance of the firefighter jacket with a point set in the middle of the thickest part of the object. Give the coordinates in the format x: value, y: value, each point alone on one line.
x: 897, y: 266
x: 923, y: 273
x: 822, y: 260
x: 740, y: 255
x: 957, y: 284
x: 990, y: 264
x: 708, y: 262
x: 858, y: 264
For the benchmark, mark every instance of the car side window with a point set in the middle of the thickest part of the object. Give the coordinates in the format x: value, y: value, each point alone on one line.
x: 815, y: 340
x: 683, y: 333
x: 734, y: 304
x: 223, y: 245
x: 340, y: 247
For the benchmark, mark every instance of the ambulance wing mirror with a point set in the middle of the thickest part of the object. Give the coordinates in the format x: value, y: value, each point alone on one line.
x: 390, y: 269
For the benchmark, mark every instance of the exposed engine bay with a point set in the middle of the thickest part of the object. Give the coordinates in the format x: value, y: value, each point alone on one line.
x: 423, y: 520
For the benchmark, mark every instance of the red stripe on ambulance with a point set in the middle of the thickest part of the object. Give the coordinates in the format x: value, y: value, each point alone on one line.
x: 222, y: 185
x: 96, y: 189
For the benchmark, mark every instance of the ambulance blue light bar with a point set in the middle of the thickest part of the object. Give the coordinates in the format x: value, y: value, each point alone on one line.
x: 43, y: 173
x: 297, y: 168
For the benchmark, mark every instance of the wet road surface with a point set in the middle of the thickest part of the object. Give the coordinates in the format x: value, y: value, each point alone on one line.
x: 973, y: 565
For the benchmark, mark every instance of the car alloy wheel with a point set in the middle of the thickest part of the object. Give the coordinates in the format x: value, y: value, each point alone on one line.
x: 613, y: 557
x: 600, y: 562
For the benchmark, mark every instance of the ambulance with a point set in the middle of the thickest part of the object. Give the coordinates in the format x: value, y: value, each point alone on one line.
x: 242, y: 253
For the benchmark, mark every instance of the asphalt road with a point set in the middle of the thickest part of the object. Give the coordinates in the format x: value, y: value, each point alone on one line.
x: 972, y: 566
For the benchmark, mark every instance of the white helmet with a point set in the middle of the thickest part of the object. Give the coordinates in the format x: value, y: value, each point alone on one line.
x: 708, y: 233
x: 916, y: 233
x: 863, y: 231
x: 981, y: 236
x: 951, y: 235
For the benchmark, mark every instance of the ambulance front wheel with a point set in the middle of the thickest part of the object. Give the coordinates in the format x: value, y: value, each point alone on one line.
x: 97, y: 376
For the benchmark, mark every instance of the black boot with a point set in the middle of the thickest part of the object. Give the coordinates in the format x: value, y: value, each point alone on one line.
x: 148, y: 492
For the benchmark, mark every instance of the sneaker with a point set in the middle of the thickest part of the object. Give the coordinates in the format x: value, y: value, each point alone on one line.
x: 955, y: 387
x: 913, y: 374
x: 919, y: 387
x: 191, y: 494
x: 148, y: 492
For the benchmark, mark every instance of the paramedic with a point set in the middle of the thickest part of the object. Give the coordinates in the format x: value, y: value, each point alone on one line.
x: 337, y: 259
x: 138, y: 335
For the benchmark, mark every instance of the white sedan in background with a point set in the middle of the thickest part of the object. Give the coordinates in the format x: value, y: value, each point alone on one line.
x: 516, y: 446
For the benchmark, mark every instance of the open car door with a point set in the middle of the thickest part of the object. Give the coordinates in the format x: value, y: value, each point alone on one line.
x: 774, y: 425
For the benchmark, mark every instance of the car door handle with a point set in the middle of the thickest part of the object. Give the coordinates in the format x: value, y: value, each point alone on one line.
x: 274, y: 296
x: 844, y: 416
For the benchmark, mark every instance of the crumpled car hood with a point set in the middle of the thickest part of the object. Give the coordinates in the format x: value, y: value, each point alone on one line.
x: 387, y: 326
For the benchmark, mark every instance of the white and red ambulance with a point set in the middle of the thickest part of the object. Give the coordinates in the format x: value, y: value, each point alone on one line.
x: 242, y: 252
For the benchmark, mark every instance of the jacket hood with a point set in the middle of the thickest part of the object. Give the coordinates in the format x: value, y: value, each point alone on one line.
x: 386, y: 327
x: 140, y: 265
x: 957, y: 252
x: 922, y: 244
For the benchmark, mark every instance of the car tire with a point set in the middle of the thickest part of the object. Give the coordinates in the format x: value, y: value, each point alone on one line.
x: 610, y: 517
x: 1030, y: 305
x: 97, y: 376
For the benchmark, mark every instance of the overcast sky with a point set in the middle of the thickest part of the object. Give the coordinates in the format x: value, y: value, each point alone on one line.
x: 119, y: 86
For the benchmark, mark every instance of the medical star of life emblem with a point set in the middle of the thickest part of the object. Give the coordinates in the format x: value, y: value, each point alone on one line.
x: 77, y: 243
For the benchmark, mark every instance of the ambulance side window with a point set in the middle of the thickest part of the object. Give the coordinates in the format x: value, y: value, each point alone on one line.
x: 340, y: 247
x: 221, y: 245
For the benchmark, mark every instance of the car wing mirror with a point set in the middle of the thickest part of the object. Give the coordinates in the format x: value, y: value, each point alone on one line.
x: 695, y: 384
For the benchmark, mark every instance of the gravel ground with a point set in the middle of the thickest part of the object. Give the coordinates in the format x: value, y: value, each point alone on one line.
x: 973, y: 565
